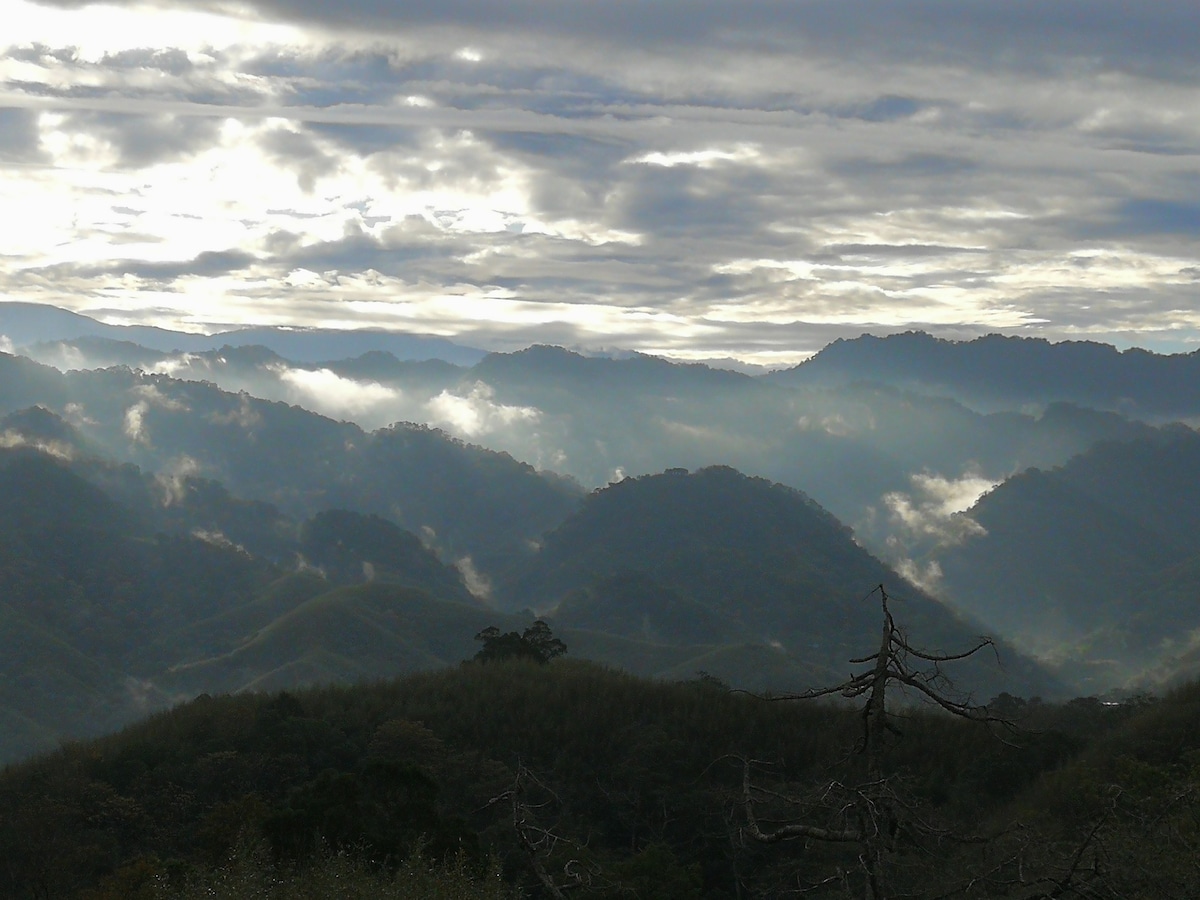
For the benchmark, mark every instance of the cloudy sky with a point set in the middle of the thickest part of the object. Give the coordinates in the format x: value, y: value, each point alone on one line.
x: 698, y: 179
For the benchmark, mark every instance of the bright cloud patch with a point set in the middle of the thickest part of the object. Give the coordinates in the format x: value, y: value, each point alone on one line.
x: 700, y: 158
x: 333, y: 395
x: 947, y: 496
x: 477, y: 413
x: 932, y: 514
x: 134, y: 423
x: 936, y: 505
x: 172, y: 481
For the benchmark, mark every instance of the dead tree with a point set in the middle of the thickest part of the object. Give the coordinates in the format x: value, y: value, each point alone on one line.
x: 537, y: 841
x: 871, y: 813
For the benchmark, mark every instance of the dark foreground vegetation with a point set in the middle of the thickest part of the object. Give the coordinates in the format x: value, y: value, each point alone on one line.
x: 518, y: 778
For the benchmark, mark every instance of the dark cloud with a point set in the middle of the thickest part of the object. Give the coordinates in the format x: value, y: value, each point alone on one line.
x: 20, y: 136
x: 393, y: 253
x: 675, y: 200
x: 172, y: 61
x: 576, y: 173
x: 208, y: 264
x: 891, y: 251
x: 1156, y: 39
x: 887, y: 109
x: 908, y: 166
x: 298, y: 151
x: 43, y: 54
x: 143, y: 140
x: 365, y: 140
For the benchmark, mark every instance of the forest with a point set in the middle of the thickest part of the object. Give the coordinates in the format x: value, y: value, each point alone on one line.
x: 512, y: 775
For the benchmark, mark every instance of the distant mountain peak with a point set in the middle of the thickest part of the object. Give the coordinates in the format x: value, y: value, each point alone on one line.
x: 999, y: 371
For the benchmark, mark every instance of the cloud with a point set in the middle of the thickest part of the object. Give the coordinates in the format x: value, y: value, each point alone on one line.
x: 933, y: 514
x: 333, y: 395
x: 172, y: 481
x: 1153, y: 216
x: 709, y: 180
x: 134, y: 423
x: 152, y: 396
x: 243, y: 415
x: 477, y: 414
x: 936, y: 507
x: 218, y: 539
x: 20, y: 136
x: 988, y: 32
x: 478, y: 584
x: 927, y: 577
x: 10, y: 438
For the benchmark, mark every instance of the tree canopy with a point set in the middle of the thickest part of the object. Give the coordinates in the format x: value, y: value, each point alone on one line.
x: 536, y: 643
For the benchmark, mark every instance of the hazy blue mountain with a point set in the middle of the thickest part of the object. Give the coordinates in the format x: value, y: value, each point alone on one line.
x: 853, y: 447
x: 893, y: 463
x: 471, y: 502
x: 27, y: 324
x: 999, y: 372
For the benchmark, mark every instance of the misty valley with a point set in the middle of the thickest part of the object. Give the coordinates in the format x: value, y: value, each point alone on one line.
x: 245, y: 581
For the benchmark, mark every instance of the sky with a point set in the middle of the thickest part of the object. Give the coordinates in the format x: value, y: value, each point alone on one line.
x: 700, y: 180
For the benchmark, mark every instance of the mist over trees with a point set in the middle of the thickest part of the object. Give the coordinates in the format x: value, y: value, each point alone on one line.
x: 179, y: 530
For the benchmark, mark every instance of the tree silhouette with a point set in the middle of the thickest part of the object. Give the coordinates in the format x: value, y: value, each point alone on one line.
x: 870, y: 810
x: 536, y: 643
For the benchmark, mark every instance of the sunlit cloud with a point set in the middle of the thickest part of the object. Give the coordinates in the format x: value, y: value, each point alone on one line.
x: 713, y: 183
x: 327, y: 392
x: 477, y: 413
x: 936, y: 508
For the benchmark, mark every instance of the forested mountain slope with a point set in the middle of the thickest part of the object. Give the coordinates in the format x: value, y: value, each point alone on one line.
x: 113, y: 582
x: 1000, y: 372
x: 720, y: 556
x: 299, y: 461
x: 1094, y: 561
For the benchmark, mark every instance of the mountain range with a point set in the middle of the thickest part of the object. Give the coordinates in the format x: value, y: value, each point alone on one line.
x: 180, y: 519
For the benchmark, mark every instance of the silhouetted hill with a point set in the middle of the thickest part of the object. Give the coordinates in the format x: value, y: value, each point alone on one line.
x: 1090, y: 561
x: 999, y: 372
x: 761, y: 559
x: 640, y: 781
x: 26, y: 324
x: 633, y: 604
x: 350, y: 547
x: 39, y: 426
